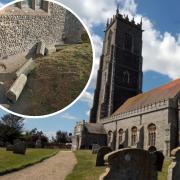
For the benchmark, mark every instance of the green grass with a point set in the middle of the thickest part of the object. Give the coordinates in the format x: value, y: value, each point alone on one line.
x: 163, y: 174
x: 57, y: 80
x: 11, y: 162
x: 85, y: 168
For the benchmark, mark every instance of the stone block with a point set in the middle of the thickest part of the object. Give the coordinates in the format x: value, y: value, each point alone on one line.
x: 100, y: 155
x: 129, y: 163
x: 40, y: 51
x: 50, y: 49
x: 95, y: 148
x: 26, y: 68
x: 174, y: 168
x: 17, y: 87
x: 19, y: 148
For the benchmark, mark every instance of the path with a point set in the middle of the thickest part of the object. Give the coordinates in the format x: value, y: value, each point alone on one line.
x: 54, y: 168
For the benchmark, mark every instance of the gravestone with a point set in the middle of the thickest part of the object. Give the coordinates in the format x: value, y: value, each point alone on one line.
x: 19, y: 148
x: 40, y: 51
x: 9, y: 147
x: 100, y: 155
x: 50, y: 49
x: 130, y: 164
x: 95, y: 148
x: 174, y: 168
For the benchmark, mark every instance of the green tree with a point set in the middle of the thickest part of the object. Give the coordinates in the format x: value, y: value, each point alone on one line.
x: 11, y: 128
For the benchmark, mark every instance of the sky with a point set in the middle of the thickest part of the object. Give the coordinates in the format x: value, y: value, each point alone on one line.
x: 161, y: 50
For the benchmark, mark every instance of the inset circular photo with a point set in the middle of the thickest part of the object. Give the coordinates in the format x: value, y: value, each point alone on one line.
x: 46, y: 57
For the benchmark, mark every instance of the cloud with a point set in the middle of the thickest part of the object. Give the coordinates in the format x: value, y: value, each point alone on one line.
x: 68, y: 116
x: 1, y: 4
x: 87, y: 97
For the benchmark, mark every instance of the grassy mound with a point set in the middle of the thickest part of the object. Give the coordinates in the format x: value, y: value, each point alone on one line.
x: 58, y: 79
x: 11, y: 162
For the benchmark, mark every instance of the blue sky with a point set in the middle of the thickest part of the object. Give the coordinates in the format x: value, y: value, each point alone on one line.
x: 161, y: 50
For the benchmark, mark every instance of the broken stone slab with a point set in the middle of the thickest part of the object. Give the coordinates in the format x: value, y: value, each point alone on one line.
x: 17, y: 87
x: 26, y: 68
x: 40, y: 51
x: 50, y: 49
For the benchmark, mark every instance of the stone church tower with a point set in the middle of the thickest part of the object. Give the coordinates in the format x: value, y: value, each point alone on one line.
x: 120, y: 72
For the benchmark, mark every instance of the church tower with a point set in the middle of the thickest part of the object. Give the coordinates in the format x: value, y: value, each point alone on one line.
x: 120, y: 72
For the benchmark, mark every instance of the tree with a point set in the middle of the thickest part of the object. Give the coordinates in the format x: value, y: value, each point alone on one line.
x: 11, y: 128
x: 61, y: 137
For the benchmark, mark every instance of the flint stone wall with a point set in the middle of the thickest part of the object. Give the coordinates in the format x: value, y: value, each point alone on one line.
x: 21, y: 32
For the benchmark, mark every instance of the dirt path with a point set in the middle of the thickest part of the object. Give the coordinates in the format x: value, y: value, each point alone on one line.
x: 55, y: 168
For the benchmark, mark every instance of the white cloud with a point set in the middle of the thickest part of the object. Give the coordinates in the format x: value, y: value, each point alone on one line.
x: 68, y: 116
x: 87, y: 97
x: 161, y: 52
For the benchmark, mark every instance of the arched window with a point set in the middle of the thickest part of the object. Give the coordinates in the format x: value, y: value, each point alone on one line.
x: 120, y: 136
x: 109, y: 42
x: 128, y: 42
x: 152, y: 135
x: 133, y: 136
x: 110, y: 137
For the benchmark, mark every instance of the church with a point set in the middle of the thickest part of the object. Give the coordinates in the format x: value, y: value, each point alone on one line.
x: 122, y: 115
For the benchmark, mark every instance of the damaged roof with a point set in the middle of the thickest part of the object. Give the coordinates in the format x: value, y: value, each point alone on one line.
x: 161, y: 93
x: 95, y: 128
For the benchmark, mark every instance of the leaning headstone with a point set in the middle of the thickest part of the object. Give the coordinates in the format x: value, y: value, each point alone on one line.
x: 17, y: 87
x: 100, y: 155
x: 9, y: 147
x: 19, y: 148
x: 95, y: 148
x: 40, y: 51
x: 174, y: 168
x: 26, y: 68
x: 129, y: 163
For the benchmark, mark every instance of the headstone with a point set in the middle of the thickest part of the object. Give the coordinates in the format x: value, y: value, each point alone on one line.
x: 174, y: 168
x: 19, y: 148
x: 152, y: 149
x: 100, y: 155
x: 9, y: 147
x: 95, y: 148
x: 40, y: 48
x: 17, y: 87
x: 26, y: 68
x: 130, y: 164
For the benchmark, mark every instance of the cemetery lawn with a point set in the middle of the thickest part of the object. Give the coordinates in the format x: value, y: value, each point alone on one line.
x: 58, y: 79
x: 11, y: 162
x: 85, y: 168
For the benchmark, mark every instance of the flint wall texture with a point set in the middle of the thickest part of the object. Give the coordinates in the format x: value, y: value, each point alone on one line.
x: 21, y: 32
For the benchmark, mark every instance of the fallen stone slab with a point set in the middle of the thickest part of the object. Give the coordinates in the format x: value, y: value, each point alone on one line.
x: 40, y: 51
x: 17, y: 87
x: 26, y: 68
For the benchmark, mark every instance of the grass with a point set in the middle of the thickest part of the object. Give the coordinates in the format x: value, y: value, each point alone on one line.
x: 11, y: 162
x: 85, y: 168
x: 57, y: 80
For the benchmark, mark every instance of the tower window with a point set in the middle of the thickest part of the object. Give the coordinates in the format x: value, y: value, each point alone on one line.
x: 133, y: 136
x: 120, y: 136
x: 151, y: 135
x: 128, y: 42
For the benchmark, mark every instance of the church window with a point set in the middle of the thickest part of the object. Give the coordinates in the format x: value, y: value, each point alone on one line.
x: 133, y: 136
x: 152, y: 135
x: 126, y: 77
x: 27, y: 3
x: 110, y: 137
x: 109, y: 42
x: 128, y: 42
x: 120, y: 136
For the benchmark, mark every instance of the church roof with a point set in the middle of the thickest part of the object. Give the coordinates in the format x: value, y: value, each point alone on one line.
x: 95, y: 128
x: 164, y: 92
